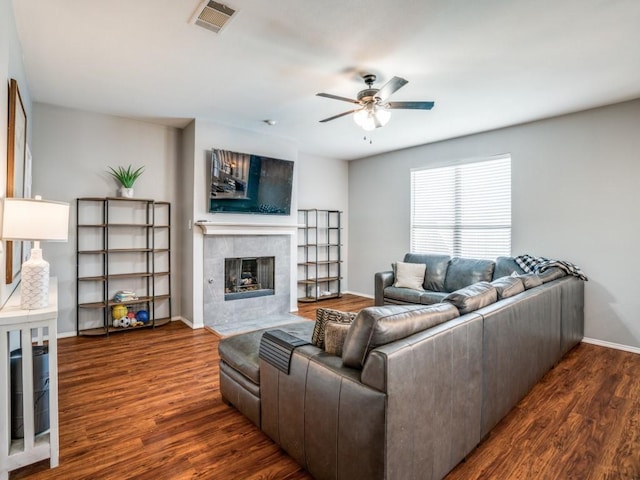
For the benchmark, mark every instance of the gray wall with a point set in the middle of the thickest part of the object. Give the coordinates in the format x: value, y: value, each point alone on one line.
x: 71, y: 152
x: 575, y: 197
x: 11, y: 66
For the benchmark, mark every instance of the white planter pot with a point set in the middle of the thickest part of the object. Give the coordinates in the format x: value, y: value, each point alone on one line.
x: 126, y: 192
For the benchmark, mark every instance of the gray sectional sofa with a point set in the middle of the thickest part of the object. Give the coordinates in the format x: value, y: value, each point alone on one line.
x: 418, y: 385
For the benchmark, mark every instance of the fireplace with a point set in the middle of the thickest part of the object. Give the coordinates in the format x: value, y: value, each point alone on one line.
x: 276, y: 293
x: 248, y: 277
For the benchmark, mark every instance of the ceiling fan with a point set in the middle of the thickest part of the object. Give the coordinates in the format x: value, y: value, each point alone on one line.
x: 373, y: 108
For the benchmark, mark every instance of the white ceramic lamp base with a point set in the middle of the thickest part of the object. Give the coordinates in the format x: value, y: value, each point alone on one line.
x: 34, y: 289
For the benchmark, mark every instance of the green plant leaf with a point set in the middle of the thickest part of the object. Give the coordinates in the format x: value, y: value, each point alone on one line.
x: 126, y: 176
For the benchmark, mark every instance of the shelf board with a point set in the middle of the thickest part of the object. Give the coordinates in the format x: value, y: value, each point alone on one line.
x: 321, y: 245
x: 129, y: 225
x: 92, y: 252
x: 161, y: 250
x: 99, y: 278
x: 115, y: 276
x: 321, y: 297
x: 129, y: 250
x: 92, y: 305
x: 313, y: 281
x: 142, y: 299
x: 323, y: 262
x: 92, y: 225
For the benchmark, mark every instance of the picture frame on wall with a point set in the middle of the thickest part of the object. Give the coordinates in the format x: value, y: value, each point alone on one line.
x: 16, y: 158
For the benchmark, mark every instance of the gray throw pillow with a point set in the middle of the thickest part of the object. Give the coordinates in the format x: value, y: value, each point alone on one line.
x: 472, y: 297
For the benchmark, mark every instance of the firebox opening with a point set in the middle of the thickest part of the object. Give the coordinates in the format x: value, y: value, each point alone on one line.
x: 248, y: 277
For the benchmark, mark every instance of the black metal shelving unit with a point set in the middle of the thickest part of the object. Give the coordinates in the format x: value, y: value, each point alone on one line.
x: 319, y: 254
x: 122, y: 244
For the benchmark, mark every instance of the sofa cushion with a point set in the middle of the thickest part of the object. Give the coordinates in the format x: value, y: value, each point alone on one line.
x: 436, y: 269
x: 473, y: 297
x: 335, y: 334
x: 530, y: 280
x: 551, y: 274
x: 508, y: 286
x: 409, y: 275
x: 324, y: 315
x: 376, y: 326
x: 506, y: 266
x: 463, y: 272
x: 406, y: 295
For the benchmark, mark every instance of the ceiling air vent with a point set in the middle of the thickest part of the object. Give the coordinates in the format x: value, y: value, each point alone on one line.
x: 212, y: 15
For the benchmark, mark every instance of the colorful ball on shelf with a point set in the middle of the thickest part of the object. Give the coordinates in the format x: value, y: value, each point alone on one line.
x: 125, y: 322
x: 142, y: 316
x: 131, y: 316
x: 118, y: 311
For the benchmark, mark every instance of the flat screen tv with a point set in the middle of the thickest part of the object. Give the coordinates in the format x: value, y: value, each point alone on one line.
x: 246, y: 183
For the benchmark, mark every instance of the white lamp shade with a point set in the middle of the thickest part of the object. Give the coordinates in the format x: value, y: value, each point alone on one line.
x: 37, y: 220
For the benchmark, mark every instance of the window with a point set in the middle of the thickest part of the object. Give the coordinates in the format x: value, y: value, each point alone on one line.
x: 462, y: 210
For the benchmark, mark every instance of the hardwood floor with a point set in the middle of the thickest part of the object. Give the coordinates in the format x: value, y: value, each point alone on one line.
x: 146, y: 405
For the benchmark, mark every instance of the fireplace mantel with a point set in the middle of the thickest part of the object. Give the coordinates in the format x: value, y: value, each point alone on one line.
x: 217, y: 228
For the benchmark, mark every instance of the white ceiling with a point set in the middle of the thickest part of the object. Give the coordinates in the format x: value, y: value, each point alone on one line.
x: 486, y: 63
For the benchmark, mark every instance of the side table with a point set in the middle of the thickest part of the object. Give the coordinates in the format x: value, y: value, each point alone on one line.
x: 26, y: 329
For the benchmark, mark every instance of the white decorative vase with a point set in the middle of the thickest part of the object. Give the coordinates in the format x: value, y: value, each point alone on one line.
x: 126, y: 192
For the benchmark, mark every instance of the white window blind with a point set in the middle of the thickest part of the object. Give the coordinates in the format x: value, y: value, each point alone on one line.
x: 462, y: 210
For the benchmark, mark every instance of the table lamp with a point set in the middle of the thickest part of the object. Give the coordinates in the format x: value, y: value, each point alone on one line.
x: 34, y: 220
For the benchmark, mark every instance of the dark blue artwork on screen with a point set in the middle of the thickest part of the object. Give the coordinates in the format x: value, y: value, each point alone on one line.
x: 246, y: 183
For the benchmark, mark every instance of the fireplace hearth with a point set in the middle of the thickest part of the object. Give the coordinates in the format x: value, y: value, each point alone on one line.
x: 248, y: 277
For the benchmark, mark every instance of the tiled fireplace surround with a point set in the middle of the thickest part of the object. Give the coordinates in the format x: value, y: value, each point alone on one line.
x: 220, y: 243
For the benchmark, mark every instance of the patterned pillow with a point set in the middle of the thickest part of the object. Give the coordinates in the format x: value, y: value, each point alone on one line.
x: 334, y: 336
x: 324, y: 315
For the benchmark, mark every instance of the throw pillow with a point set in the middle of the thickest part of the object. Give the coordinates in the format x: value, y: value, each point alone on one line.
x: 334, y: 336
x: 324, y: 315
x: 410, y: 275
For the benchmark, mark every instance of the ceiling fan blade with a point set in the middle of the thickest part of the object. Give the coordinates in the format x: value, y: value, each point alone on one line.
x: 339, y: 115
x: 392, y: 86
x: 336, y: 97
x: 412, y: 105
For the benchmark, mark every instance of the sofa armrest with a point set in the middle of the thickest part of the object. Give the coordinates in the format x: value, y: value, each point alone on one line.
x: 324, y: 417
x: 382, y: 280
x: 433, y: 381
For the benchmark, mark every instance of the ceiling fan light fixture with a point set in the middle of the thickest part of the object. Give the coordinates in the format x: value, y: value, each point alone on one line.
x: 371, y: 117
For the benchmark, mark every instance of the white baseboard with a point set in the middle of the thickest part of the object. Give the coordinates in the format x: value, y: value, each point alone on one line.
x: 66, y: 334
x: 616, y: 346
x: 187, y: 322
x: 366, y: 295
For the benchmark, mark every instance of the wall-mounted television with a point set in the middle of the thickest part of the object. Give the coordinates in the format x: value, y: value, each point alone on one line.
x: 247, y: 183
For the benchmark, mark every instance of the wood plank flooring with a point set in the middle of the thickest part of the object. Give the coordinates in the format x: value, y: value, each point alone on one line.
x: 146, y: 405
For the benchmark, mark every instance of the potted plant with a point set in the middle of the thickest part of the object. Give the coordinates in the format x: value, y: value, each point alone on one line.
x: 127, y: 177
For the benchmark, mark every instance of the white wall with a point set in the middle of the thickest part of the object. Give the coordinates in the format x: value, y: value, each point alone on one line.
x: 71, y: 152
x: 11, y: 66
x: 575, y: 197
x: 324, y: 184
